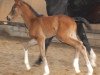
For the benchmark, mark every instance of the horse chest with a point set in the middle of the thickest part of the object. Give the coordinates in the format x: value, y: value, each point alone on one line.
x: 34, y: 31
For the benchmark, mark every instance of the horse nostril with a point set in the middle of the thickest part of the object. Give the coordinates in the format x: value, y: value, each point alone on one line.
x: 8, y: 18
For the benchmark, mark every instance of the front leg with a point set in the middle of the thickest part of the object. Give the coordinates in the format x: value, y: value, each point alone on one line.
x: 26, y: 46
x: 41, y: 43
x: 47, y: 43
x: 26, y: 59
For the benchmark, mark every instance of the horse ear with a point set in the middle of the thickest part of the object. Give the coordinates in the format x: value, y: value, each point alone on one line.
x: 17, y: 1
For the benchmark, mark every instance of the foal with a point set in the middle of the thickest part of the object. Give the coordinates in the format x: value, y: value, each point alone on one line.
x: 62, y: 27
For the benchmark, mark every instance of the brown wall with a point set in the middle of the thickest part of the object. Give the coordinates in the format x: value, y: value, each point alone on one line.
x: 5, y: 7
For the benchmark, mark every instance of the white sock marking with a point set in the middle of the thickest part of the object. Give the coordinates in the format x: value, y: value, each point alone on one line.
x: 26, y: 60
x: 93, y: 58
x: 46, y: 68
x: 90, y: 69
x: 76, y: 65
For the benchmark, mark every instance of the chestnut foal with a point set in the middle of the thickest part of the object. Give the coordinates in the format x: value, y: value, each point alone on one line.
x: 40, y: 28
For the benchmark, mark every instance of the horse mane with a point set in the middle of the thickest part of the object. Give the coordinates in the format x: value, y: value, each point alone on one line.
x: 36, y: 13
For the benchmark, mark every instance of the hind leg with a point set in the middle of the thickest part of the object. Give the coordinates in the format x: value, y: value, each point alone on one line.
x: 82, y: 35
x: 80, y: 47
x: 76, y: 62
x: 88, y: 63
x: 93, y: 58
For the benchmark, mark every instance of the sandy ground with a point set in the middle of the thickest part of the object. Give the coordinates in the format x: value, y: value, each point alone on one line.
x: 60, y: 58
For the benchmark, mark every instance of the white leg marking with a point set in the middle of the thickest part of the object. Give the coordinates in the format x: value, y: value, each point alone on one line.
x: 90, y: 69
x: 26, y: 60
x: 93, y: 58
x: 76, y: 65
x: 46, y: 68
x: 89, y: 66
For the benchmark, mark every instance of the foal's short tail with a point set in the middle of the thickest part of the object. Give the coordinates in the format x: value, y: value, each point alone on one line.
x: 83, y: 20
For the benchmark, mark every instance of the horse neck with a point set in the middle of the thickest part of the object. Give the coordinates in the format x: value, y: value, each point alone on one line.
x: 27, y: 15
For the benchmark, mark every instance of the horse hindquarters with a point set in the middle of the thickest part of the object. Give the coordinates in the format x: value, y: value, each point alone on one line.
x: 71, y: 39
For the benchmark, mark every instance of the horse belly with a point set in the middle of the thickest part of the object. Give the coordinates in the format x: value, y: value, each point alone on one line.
x: 49, y: 32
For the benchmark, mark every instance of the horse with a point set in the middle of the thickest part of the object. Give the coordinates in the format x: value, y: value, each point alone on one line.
x: 56, y: 7
x: 91, y: 8
x: 94, y: 13
x: 40, y: 28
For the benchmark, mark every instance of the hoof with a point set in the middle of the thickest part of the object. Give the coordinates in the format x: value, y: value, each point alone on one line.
x: 28, y: 68
x: 77, y: 74
x: 38, y: 62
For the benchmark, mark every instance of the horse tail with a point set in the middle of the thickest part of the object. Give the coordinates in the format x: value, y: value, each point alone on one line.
x: 83, y: 20
x: 81, y: 32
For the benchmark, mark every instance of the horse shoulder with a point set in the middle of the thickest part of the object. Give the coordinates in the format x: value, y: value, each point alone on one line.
x: 49, y: 25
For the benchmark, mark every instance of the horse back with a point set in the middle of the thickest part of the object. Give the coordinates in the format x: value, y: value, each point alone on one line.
x: 67, y: 23
x: 53, y: 24
x: 49, y: 25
